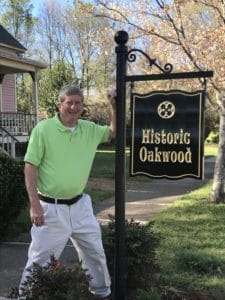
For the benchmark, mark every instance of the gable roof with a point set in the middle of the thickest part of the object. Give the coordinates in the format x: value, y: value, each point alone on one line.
x: 6, y: 39
x: 11, y: 64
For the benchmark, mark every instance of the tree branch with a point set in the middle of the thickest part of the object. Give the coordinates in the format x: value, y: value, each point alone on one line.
x: 221, y: 14
x: 180, y: 32
x: 128, y: 22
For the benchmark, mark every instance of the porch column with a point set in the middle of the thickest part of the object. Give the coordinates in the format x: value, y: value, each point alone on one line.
x: 1, y: 100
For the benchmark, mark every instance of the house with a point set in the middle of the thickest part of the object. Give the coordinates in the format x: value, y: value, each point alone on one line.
x: 15, y: 127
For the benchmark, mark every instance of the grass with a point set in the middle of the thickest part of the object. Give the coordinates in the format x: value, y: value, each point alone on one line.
x: 104, y: 165
x: 98, y: 195
x: 211, y: 149
x: 191, y: 255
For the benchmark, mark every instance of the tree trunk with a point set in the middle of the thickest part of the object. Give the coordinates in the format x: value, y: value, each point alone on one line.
x: 217, y: 193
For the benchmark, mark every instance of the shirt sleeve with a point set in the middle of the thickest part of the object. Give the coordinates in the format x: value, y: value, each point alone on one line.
x: 104, y: 133
x: 105, y: 136
x: 35, y: 149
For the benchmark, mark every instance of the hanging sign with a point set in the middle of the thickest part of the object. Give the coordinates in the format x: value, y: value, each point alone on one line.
x: 167, y: 134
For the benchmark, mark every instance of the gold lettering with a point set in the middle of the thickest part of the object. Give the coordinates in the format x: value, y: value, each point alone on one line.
x: 176, y: 137
x: 152, y: 136
x: 143, y: 154
x: 163, y: 137
x: 150, y: 156
x: 188, y: 156
x: 157, y: 138
x: 145, y: 136
x: 173, y: 156
x: 157, y: 155
x: 170, y: 138
x: 165, y: 156
x: 181, y: 136
x: 187, y: 137
x: 149, y: 136
x: 180, y: 156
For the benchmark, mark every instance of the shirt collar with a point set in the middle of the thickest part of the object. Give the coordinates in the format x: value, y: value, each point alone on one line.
x: 60, y: 125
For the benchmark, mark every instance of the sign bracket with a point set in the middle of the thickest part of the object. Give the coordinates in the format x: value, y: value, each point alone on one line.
x: 163, y: 76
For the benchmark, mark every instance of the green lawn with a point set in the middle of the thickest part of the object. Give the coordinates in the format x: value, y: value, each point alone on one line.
x: 98, y: 195
x: 211, y: 149
x: 191, y: 255
x: 104, y: 164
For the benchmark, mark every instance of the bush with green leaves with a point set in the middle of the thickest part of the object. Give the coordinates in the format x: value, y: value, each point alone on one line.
x: 140, y: 242
x: 13, y: 196
x: 211, y: 121
x: 148, y: 295
x: 55, y: 281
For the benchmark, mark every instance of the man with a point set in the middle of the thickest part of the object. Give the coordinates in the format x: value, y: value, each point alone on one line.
x: 57, y: 166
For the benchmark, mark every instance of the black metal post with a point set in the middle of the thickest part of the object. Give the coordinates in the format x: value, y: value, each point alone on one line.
x: 123, y: 56
x: 121, y: 38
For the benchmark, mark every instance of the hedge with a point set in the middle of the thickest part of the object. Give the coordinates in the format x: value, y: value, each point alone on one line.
x: 13, y: 196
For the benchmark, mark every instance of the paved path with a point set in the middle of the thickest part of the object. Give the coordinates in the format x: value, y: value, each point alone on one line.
x: 143, y: 200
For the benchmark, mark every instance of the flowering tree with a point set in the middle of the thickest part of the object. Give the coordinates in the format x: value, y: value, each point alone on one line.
x: 192, y: 33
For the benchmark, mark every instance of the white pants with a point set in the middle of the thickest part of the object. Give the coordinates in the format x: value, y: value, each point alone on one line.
x: 78, y: 223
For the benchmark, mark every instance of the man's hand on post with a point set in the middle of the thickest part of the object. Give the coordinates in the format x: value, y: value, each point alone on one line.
x: 111, y: 95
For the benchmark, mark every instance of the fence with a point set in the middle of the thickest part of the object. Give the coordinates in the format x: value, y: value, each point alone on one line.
x: 17, y: 123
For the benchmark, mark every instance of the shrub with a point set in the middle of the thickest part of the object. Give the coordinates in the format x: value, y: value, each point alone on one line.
x: 211, y: 121
x: 21, y: 149
x: 13, y: 197
x: 148, y: 295
x: 140, y: 247
x: 57, y: 282
x: 213, y: 137
x: 98, y: 112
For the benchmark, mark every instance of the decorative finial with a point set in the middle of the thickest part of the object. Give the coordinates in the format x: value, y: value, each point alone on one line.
x: 121, y: 37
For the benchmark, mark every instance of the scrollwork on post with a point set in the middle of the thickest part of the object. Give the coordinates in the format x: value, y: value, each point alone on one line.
x: 131, y: 57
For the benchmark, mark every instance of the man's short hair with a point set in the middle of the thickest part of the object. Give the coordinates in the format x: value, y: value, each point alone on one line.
x: 69, y: 90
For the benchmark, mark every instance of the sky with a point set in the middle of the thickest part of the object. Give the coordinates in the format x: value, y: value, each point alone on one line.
x: 38, y: 3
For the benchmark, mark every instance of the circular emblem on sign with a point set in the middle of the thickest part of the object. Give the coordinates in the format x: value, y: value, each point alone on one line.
x: 166, y: 109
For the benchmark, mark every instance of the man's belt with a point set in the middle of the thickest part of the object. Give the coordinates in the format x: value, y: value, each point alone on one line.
x: 60, y: 201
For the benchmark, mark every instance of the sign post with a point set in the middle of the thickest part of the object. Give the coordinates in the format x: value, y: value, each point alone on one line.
x: 124, y: 56
x: 120, y: 168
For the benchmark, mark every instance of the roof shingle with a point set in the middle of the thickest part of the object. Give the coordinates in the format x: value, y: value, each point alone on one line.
x: 7, y: 39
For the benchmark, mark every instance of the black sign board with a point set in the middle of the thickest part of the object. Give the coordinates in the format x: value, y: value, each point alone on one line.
x: 167, y: 134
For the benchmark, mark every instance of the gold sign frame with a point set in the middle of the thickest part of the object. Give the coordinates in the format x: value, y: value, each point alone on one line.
x: 151, y: 144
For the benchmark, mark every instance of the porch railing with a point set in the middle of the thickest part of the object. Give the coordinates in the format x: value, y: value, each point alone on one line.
x: 8, y: 142
x: 17, y: 123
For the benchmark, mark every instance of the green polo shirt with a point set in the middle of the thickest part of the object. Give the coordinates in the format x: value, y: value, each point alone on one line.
x: 64, y: 158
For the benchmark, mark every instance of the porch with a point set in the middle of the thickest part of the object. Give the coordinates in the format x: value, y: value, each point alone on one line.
x: 15, y: 129
x: 18, y: 124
